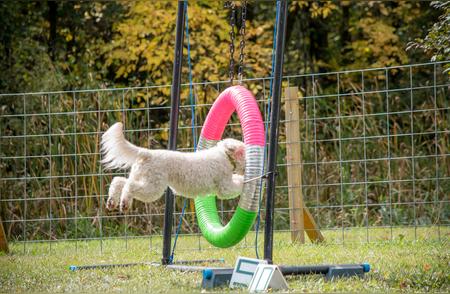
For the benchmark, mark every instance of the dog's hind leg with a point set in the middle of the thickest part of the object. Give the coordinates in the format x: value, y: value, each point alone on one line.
x: 140, y: 189
x: 231, y: 187
x: 114, y: 192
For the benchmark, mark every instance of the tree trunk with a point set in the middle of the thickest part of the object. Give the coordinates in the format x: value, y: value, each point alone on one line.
x: 52, y: 19
x: 343, y: 31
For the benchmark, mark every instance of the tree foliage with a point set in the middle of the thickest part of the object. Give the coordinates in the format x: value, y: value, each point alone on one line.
x: 328, y: 35
x: 82, y: 29
x: 331, y: 36
x: 66, y: 45
x: 437, y: 41
x: 142, y: 47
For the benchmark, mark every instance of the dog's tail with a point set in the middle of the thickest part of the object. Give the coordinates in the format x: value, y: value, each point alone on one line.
x: 117, y: 151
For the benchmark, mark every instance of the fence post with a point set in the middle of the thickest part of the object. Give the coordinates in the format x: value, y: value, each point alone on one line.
x: 294, y: 170
x: 300, y: 217
x: 3, y: 241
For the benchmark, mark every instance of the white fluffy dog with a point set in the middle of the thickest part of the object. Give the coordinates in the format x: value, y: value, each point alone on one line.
x: 218, y: 170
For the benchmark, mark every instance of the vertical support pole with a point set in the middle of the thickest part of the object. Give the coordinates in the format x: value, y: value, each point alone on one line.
x: 294, y: 168
x: 174, y: 107
x: 274, y: 119
x: 3, y: 241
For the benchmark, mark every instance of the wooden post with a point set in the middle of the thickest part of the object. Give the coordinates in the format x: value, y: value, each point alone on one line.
x: 294, y: 166
x: 3, y: 241
x: 300, y: 217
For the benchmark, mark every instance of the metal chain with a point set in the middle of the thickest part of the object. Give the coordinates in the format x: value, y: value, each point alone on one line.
x: 242, y: 42
x: 232, y: 6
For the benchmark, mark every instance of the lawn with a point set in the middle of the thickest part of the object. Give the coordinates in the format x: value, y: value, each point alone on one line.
x: 398, y: 264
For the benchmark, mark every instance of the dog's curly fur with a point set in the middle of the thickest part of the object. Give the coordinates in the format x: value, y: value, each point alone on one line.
x: 218, y: 170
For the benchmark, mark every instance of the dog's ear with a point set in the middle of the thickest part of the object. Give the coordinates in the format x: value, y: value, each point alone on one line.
x: 239, y: 152
x: 235, y: 149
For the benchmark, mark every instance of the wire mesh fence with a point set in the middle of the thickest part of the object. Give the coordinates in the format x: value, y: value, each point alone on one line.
x: 374, y: 148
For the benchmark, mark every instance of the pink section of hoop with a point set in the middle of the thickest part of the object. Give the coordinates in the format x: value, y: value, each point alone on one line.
x: 242, y: 100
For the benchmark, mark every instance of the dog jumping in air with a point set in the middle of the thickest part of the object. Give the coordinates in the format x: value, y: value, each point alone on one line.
x: 218, y: 170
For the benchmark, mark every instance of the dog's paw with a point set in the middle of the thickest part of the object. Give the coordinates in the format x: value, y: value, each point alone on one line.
x: 238, y: 180
x: 111, y: 204
x: 125, y: 205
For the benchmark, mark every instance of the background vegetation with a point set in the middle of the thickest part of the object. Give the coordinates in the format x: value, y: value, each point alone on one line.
x: 53, y: 45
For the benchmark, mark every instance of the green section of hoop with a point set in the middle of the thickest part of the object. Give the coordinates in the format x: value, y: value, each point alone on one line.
x: 213, y: 230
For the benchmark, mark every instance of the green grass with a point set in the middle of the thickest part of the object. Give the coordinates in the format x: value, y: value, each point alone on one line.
x: 397, y: 265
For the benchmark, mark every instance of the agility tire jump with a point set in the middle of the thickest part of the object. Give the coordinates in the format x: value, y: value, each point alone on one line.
x: 241, y: 100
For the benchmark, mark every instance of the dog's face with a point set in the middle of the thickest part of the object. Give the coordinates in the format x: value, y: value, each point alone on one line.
x: 235, y: 150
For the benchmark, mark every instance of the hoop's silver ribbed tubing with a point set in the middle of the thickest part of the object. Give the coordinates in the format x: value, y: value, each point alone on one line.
x: 254, y: 156
x: 205, y: 143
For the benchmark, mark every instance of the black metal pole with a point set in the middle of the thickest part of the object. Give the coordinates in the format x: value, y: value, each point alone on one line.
x: 274, y: 119
x: 175, y: 104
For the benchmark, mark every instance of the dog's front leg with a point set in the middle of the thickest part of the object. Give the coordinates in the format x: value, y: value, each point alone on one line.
x: 115, y: 190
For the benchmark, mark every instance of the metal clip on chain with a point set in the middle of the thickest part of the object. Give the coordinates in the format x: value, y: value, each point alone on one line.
x: 242, y: 42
